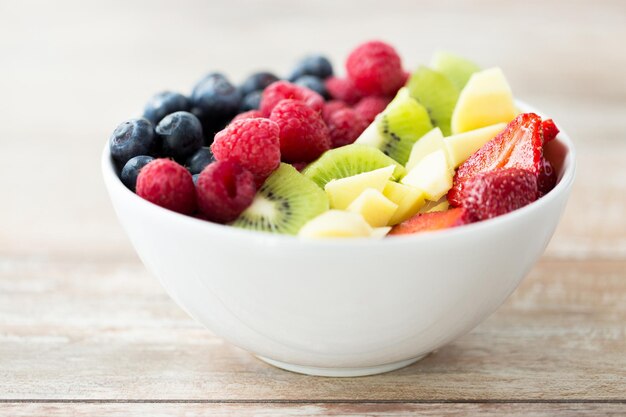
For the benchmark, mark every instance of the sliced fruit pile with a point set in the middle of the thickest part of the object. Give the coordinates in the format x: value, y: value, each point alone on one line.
x: 377, y: 152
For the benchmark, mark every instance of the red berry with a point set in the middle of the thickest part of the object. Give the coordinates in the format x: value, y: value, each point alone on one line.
x: 303, y: 134
x: 345, y: 126
x: 250, y: 114
x: 224, y: 189
x: 519, y: 145
x: 343, y: 89
x: 431, y: 221
x: 252, y: 143
x: 371, y: 106
x: 549, y: 130
x: 547, y: 178
x: 300, y: 165
x: 490, y: 194
x: 332, y: 106
x: 282, y: 90
x: 167, y: 184
x: 375, y: 68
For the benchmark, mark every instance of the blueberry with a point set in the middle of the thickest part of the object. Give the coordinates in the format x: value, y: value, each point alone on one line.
x: 257, y: 81
x: 313, y: 83
x: 180, y: 134
x: 210, y: 126
x: 164, y: 103
x: 195, y: 177
x: 131, y: 170
x: 131, y: 138
x: 199, y: 160
x: 214, y: 98
x: 251, y: 101
x: 316, y: 65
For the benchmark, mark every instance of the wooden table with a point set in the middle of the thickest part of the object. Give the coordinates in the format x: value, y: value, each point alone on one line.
x: 84, y: 329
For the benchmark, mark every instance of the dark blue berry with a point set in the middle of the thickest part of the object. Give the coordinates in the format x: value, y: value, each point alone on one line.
x: 257, y: 81
x: 313, y: 83
x: 251, y: 101
x: 215, y: 98
x: 195, y: 177
x: 164, y: 103
x: 131, y: 170
x: 316, y: 65
x: 207, y: 77
x: 131, y: 138
x: 199, y: 160
x: 180, y: 134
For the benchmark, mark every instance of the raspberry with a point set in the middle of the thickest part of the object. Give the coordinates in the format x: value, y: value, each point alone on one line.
x: 369, y: 107
x: 332, y: 106
x: 547, y: 178
x: 343, y: 89
x: 250, y: 114
x: 375, y: 68
x: 282, y: 90
x: 167, y: 184
x: 303, y: 134
x: 252, y: 143
x: 224, y: 189
x: 490, y: 194
x: 345, y: 126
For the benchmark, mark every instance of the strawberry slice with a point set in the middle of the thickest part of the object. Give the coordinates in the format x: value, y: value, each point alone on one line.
x: 549, y: 130
x: 519, y: 145
x: 547, y: 178
x: 431, y: 221
x: 494, y: 193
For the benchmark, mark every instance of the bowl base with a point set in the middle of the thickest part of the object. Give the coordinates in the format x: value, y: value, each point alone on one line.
x: 341, y: 372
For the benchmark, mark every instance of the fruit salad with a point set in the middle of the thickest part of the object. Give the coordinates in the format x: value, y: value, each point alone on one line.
x: 377, y: 152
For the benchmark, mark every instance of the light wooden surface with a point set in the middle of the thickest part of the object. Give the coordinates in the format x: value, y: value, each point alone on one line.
x: 84, y: 329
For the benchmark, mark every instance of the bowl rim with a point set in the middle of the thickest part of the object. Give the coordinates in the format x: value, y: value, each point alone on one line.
x: 112, y: 181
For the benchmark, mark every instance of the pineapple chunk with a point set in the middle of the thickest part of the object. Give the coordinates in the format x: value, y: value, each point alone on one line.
x: 408, y: 199
x: 486, y: 100
x: 433, y: 206
x: 344, y: 191
x: 462, y: 145
x: 375, y: 208
x: 427, y: 144
x: 432, y: 174
x: 335, y: 224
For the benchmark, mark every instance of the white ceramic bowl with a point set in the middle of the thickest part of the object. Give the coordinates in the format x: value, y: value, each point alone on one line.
x: 341, y: 307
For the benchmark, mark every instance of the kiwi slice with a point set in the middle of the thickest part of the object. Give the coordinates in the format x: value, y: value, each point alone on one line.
x: 437, y: 93
x: 347, y: 161
x: 457, y: 69
x: 398, y: 127
x: 286, y: 201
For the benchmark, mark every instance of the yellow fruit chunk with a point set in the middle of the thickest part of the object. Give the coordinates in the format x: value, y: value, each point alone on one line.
x: 375, y: 208
x: 380, y: 232
x: 344, y: 191
x: 433, y: 206
x: 427, y: 144
x: 462, y: 145
x: 486, y: 100
x: 408, y: 199
x: 336, y: 223
x: 432, y: 175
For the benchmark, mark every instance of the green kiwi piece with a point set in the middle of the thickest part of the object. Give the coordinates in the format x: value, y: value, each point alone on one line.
x: 286, y: 201
x: 437, y: 93
x: 347, y: 161
x: 398, y: 127
x: 456, y: 68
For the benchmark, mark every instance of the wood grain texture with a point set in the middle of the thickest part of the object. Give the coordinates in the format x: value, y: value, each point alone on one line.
x: 335, y: 410
x: 107, y: 331
x: 82, y: 321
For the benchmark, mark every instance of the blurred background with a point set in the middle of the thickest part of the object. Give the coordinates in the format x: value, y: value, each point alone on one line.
x: 70, y: 71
